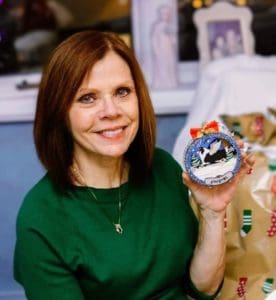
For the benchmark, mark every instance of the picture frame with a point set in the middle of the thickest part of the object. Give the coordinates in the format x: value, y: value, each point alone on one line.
x: 223, y: 30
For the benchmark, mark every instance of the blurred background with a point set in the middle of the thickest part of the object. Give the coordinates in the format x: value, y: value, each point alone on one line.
x: 29, y: 30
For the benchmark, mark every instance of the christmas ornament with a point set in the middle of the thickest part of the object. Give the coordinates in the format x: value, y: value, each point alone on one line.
x: 213, y: 156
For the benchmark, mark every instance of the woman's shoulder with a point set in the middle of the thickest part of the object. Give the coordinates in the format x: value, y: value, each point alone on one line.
x: 164, y: 164
x: 43, y: 216
x: 44, y: 187
x: 35, y: 201
x: 165, y: 159
x: 167, y: 172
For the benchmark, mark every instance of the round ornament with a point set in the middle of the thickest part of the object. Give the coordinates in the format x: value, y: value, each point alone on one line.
x: 212, y: 157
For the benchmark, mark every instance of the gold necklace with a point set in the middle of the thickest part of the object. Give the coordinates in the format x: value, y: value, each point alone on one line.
x: 79, y: 177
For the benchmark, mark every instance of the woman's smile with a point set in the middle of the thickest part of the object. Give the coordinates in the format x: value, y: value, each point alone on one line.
x: 112, y: 133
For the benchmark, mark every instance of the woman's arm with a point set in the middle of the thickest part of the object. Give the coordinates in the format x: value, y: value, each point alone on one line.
x: 208, y: 262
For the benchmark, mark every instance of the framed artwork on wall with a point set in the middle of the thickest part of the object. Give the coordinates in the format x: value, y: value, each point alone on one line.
x: 223, y: 30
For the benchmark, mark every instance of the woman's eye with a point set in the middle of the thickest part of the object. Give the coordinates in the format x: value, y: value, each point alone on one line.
x: 89, y: 98
x: 122, y: 92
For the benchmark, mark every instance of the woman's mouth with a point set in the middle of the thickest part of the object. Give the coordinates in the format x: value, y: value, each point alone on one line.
x: 112, y: 133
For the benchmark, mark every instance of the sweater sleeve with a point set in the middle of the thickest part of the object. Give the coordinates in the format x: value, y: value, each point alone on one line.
x: 41, y: 271
x: 192, y: 291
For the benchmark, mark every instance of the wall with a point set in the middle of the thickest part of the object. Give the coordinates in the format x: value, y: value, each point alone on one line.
x: 20, y: 169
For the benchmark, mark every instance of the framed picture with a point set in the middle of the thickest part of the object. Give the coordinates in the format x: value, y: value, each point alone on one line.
x: 223, y: 30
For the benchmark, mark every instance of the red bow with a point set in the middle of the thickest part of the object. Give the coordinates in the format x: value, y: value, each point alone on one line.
x: 207, y: 128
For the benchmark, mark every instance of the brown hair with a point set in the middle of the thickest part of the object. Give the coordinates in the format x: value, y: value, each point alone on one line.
x: 62, y: 77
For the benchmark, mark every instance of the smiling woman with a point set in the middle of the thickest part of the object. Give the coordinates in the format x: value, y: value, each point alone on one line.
x: 100, y: 222
x: 90, y: 96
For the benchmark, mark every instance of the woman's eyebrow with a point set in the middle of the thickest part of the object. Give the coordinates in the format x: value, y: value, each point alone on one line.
x: 87, y: 89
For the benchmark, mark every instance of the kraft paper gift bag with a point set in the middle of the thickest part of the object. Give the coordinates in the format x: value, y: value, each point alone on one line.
x: 250, y: 221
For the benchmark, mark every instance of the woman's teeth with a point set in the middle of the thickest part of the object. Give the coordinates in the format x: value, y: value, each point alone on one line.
x: 111, y: 133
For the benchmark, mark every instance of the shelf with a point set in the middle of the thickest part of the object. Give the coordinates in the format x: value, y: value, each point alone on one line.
x: 19, y: 104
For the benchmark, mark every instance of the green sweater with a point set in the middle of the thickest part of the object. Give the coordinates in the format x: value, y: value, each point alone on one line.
x: 67, y: 248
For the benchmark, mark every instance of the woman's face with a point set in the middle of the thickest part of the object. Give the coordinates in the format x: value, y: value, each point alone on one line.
x: 104, y: 116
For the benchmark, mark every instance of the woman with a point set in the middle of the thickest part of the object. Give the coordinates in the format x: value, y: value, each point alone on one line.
x: 111, y: 218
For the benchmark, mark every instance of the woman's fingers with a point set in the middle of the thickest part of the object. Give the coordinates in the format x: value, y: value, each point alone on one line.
x: 248, y: 163
x: 187, y: 180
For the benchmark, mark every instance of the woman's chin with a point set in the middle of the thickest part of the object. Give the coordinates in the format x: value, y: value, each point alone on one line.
x: 114, y: 151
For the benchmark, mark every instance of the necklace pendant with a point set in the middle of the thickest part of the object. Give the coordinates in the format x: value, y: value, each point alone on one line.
x: 118, y: 228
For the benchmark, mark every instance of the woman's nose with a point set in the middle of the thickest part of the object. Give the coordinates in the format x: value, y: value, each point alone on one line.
x: 110, y: 107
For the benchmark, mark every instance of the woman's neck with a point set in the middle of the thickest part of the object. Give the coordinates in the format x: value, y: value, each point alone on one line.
x: 101, y: 173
